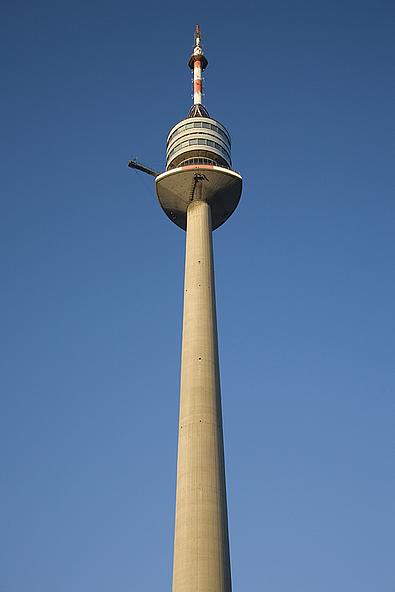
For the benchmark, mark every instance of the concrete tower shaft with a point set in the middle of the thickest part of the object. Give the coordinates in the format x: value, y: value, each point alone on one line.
x: 201, y: 546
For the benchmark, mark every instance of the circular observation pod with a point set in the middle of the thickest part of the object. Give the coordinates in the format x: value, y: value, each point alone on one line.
x: 198, y: 167
x: 198, y: 140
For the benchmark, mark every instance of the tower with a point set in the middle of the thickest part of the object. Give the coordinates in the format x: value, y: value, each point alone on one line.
x: 198, y: 192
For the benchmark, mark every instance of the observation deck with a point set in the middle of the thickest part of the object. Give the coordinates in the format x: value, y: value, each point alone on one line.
x: 198, y: 137
x: 198, y: 166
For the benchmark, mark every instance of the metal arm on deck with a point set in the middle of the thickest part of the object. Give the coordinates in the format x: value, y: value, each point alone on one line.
x: 133, y: 164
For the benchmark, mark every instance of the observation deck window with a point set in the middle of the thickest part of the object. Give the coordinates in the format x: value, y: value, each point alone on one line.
x: 191, y: 140
x: 201, y: 142
x: 200, y: 124
x: 198, y: 160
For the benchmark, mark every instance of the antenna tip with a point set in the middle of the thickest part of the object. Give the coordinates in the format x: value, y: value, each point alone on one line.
x: 197, y: 35
x: 197, y: 51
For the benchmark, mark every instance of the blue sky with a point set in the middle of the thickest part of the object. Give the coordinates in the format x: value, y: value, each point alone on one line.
x: 91, y: 298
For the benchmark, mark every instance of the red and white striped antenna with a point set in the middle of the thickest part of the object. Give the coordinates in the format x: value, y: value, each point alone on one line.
x: 198, y: 63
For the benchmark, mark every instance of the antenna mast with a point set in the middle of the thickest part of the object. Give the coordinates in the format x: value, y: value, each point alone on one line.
x: 198, y: 63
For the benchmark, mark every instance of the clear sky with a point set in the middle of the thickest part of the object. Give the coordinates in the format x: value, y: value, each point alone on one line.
x: 91, y: 292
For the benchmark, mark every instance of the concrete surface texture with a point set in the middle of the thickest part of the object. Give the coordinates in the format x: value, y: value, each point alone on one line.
x: 201, y: 545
